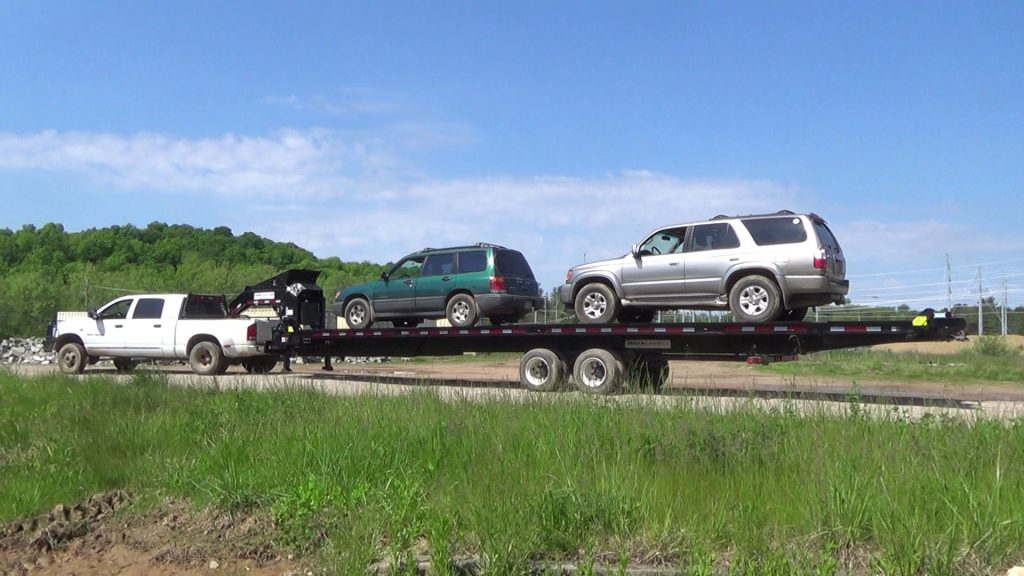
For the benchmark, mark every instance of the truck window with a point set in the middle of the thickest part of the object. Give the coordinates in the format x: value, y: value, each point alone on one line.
x: 117, y: 311
x: 149, y: 308
x: 197, y: 306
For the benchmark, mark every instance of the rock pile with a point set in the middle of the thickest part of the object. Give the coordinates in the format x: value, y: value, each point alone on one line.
x: 24, y: 351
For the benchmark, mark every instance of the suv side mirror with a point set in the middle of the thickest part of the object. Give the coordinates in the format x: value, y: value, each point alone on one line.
x: 384, y: 275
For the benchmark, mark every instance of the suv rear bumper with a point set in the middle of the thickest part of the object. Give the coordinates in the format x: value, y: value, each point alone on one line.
x: 507, y: 304
x: 815, y: 291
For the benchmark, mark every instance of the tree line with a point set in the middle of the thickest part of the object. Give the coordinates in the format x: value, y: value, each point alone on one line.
x: 46, y: 269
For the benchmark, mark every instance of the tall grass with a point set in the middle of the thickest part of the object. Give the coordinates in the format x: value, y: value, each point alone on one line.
x: 357, y: 479
x: 988, y: 358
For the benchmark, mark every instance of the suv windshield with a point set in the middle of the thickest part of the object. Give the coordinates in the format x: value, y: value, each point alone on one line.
x: 511, y: 263
x: 771, y: 231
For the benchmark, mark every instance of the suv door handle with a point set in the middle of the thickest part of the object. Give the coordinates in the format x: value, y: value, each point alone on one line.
x: 445, y: 278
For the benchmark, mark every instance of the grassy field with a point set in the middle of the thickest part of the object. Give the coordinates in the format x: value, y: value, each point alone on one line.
x: 986, y: 359
x: 349, y: 480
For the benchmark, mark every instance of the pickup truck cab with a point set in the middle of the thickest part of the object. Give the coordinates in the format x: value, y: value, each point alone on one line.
x: 192, y: 327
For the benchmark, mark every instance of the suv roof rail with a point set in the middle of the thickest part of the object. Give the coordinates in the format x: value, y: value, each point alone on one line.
x: 489, y: 245
x: 783, y: 212
x: 428, y: 249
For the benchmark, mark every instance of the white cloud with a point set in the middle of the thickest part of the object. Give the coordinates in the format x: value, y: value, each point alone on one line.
x: 310, y: 163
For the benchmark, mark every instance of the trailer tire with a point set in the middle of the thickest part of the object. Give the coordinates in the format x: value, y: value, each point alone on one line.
x: 461, y: 311
x: 542, y: 370
x: 755, y: 298
x: 207, y: 359
x: 358, y: 314
x: 72, y: 358
x: 596, y: 303
x: 124, y: 365
x: 598, y: 371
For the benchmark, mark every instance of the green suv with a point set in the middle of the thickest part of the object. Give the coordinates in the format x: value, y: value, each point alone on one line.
x: 462, y: 284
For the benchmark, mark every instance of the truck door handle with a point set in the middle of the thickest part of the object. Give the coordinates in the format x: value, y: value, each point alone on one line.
x: 157, y: 325
x: 733, y: 259
x: 118, y: 325
x: 673, y: 263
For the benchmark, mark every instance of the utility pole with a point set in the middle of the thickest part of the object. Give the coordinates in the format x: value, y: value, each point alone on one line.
x: 949, y: 286
x: 1005, y: 302
x: 981, y: 324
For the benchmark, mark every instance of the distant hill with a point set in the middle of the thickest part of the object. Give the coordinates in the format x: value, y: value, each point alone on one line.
x: 46, y: 269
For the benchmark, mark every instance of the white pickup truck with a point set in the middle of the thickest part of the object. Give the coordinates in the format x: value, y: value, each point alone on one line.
x: 193, y: 327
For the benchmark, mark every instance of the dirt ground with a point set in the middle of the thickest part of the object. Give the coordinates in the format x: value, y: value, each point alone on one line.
x: 106, y: 535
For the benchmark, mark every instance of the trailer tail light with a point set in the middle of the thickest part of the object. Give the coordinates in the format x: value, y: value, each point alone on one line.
x: 250, y: 332
x: 498, y: 284
x: 820, y: 260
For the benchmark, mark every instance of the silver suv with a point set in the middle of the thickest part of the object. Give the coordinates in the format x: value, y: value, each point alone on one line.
x: 762, y: 267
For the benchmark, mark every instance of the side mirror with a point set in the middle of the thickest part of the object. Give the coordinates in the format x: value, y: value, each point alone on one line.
x: 635, y: 249
x: 92, y: 314
x: 384, y: 275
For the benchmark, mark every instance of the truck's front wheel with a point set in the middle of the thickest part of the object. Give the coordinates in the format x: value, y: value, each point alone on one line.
x: 71, y: 358
x: 207, y: 359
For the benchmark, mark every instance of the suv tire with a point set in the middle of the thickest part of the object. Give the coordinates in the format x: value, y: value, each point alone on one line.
x: 755, y: 299
x: 596, y: 303
x: 358, y: 314
x: 461, y: 311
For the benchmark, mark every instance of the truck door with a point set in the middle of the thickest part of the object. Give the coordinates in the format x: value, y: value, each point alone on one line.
x: 110, y: 328
x: 147, y: 327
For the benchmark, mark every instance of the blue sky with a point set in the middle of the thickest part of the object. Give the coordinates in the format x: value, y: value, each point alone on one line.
x: 366, y: 130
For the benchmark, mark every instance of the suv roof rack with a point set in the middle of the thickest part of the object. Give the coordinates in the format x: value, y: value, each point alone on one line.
x: 477, y: 245
x: 783, y: 212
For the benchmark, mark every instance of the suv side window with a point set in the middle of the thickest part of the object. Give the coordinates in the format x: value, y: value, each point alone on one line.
x: 473, y: 261
x: 408, y: 269
x: 664, y: 241
x: 149, y: 308
x: 439, y: 264
x: 716, y: 236
x: 771, y: 231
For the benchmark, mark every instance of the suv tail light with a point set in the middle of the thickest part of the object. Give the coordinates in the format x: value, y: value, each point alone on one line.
x: 498, y: 284
x: 250, y: 332
x: 820, y: 260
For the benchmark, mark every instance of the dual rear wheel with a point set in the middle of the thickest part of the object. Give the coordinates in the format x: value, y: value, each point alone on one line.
x: 594, y: 371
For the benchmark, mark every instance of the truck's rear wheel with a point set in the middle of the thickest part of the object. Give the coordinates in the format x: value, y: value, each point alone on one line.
x: 207, y: 359
x: 598, y: 371
x: 71, y: 358
x: 542, y: 370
